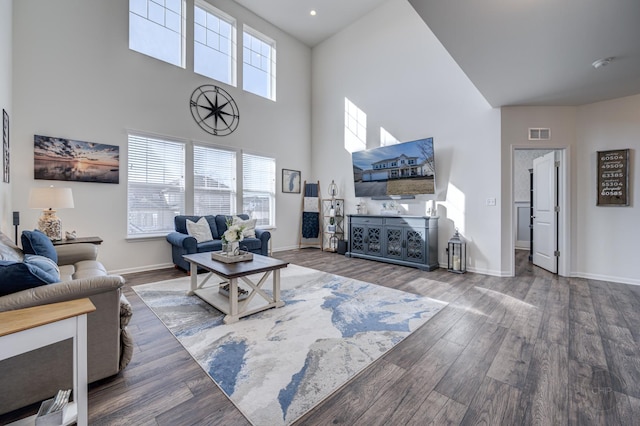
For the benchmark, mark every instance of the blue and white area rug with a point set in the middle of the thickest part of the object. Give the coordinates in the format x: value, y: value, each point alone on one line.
x: 278, y: 364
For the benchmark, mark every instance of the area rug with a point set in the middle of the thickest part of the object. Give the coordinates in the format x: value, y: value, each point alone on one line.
x: 278, y: 364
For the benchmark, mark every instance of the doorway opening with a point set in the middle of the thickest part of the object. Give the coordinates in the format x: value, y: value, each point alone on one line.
x: 540, y: 209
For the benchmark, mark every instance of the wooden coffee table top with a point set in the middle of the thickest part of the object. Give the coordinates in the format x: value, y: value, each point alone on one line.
x: 235, y: 270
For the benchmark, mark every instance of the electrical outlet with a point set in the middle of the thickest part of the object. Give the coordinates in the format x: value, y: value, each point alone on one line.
x: 491, y: 201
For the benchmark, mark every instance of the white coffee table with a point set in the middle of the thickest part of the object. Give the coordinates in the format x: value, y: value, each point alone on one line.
x: 231, y: 273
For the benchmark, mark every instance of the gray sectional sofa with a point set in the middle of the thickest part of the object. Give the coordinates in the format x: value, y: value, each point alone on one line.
x: 38, y: 375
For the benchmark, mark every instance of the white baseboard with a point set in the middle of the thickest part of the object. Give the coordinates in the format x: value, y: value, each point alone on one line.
x: 141, y: 269
x: 609, y: 278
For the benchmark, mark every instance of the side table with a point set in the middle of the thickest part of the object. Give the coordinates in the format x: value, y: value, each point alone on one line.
x: 92, y: 240
x: 24, y: 330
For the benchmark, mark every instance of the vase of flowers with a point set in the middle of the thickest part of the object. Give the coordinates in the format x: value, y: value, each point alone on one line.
x: 231, y: 238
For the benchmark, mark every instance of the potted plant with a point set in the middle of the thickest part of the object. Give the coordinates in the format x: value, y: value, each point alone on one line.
x: 332, y: 225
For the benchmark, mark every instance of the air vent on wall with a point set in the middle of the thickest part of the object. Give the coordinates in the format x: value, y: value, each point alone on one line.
x: 539, y: 134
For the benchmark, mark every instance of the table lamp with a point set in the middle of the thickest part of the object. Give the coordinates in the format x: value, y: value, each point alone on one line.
x: 49, y: 199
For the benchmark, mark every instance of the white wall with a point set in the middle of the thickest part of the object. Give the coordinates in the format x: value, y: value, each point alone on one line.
x: 515, y: 124
x: 393, y: 68
x: 75, y: 77
x: 5, y: 103
x: 603, y: 239
x: 608, y: 236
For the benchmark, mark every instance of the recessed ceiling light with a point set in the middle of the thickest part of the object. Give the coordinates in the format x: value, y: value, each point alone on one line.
x: 602, y: 62
x: 312, y: 13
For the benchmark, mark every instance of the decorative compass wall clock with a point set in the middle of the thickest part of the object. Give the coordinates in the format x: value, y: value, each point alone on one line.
x: 214, y: 110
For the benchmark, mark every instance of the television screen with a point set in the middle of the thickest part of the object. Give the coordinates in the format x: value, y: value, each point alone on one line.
x: 402, y: 169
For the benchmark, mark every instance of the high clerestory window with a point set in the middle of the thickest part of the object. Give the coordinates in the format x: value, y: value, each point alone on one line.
x: 156, y: 28
x: 214, y: 43
x: 258, y: 64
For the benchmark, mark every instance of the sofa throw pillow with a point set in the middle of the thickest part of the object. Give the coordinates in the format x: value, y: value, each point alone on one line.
x: 200, y: 230
x: 8, y: 250
x: 35, y: 242
x: 18, y: 276
x: 44, y: 263
x: 249, y: 230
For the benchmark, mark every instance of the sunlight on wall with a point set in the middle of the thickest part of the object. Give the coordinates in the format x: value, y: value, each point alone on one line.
x: 387, y: 138
x: 355, y: 127
x: 456, y: 207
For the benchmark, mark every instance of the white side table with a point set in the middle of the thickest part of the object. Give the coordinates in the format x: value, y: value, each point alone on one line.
x: 24, y: 330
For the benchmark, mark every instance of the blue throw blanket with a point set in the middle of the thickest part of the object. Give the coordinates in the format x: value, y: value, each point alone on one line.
x: 310, y: 224
x: 311, y: 190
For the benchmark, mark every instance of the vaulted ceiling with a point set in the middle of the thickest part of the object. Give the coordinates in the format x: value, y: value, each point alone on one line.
x: 516, y: 52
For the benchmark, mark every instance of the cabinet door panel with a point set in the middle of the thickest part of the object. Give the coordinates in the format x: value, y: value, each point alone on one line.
x: 357, y: 239
x: 373, y: 240
x: 394, y: 242
x: 415, y: 247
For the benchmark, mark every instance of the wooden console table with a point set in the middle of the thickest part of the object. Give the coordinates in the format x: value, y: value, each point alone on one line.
x: 399, y: 239
x: 24, y: 330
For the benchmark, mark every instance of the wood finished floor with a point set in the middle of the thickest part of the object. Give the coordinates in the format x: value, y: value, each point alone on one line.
x: 534, y: 349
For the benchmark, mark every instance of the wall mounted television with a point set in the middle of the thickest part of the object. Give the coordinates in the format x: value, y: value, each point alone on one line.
x: 400, y: 170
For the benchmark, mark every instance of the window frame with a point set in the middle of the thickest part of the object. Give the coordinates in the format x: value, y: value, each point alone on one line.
x: 232, y: 63
x: 233, y: 192
x: 271, y: 193
x: 161, y: 231
x: 272, y: 61
x: 182, y: 34
x: 188, y: 181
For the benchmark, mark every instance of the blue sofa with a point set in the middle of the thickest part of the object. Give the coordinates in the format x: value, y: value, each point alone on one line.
x: 182, y: 243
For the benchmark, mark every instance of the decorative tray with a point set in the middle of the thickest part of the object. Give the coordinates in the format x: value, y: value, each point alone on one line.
x: 224, y: 257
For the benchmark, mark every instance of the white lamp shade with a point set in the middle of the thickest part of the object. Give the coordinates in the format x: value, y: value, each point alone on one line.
x: 51, y: 198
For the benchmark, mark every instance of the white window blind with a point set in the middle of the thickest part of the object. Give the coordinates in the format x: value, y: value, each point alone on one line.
x: 214, y: 180
x: 155, y: 185
x: 214, y: 43
x: 259, y: 188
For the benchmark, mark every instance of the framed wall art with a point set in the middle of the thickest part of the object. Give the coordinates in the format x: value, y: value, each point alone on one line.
x: 5, y: 147
x: 71, y: 160
x: 613, y: 177
x: 291, y: 181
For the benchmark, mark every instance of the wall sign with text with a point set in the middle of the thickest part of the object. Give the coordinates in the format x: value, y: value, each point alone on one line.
x: 613, y: 177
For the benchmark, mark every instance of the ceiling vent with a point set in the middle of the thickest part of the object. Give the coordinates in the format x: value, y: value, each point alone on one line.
x: 539, y: 134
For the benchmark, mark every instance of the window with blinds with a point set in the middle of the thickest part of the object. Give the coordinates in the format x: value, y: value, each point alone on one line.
x: 214, y: 181
x: 155, y: 185
x: 259, y: 188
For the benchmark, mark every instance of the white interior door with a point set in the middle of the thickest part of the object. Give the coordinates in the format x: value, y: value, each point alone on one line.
x: 545, y: 224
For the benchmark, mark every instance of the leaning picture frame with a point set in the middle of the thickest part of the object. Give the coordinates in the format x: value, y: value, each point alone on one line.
x: 291, y: 181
